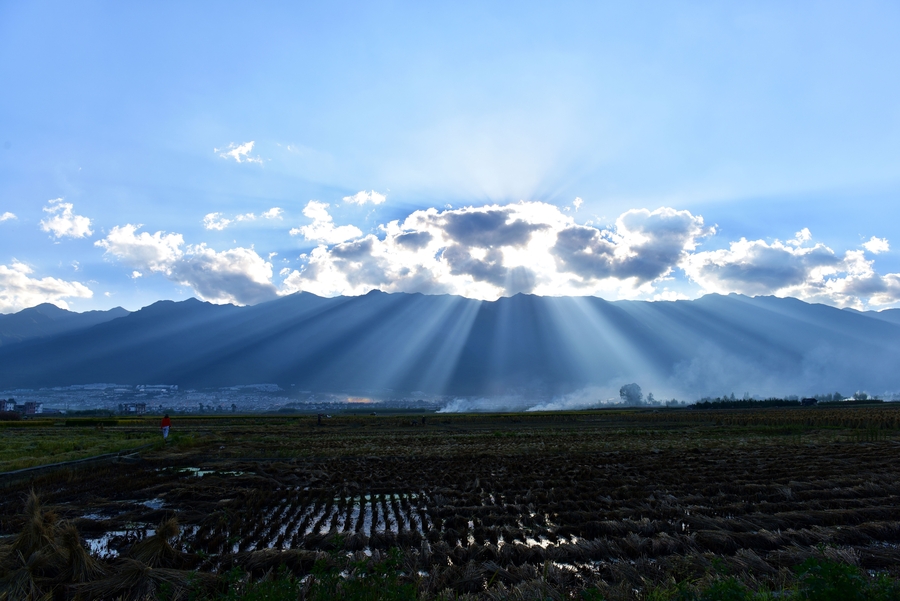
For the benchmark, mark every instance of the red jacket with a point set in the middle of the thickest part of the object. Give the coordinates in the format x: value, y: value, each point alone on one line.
x: 165, y: 422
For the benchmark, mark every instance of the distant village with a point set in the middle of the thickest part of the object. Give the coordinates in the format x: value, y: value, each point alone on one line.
x: 155, y: 399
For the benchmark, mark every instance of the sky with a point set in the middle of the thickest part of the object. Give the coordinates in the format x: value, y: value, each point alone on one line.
x: 237, y: 152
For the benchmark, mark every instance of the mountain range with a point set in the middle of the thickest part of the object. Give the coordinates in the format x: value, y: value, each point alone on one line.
x: 383, y: 344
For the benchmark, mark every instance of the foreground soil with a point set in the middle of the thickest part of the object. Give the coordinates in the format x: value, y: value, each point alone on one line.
x: 617, y: 502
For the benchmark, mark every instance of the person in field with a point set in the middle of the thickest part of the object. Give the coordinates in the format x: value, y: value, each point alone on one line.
x: 165, y: 425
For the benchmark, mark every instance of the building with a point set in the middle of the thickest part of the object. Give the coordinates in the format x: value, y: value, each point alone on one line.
x: 8, y: 405
x: 133, y: 408
x: 32, y: 408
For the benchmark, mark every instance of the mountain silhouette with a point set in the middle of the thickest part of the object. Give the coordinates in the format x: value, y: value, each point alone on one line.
x: 528, y: 345
x: 49, y: 320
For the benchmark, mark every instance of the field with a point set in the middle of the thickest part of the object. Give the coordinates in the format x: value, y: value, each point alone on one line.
x: 616, y: 504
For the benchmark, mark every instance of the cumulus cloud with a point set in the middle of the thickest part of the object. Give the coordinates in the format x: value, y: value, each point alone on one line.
x: 491, y: 251
x: 238, y: 275
x: 643, y: 246
x: 152, y: 252
x: 362, y: 197
x: 18, y: 290
x: 239, y: 152
x: 215, y: 221
x: 7, y: 216
x: 218, y: 221
x: 63, y: 222
x: 322, y: 229
x: 877, y: 245
x: 794, y: 268
x: 577, y: 203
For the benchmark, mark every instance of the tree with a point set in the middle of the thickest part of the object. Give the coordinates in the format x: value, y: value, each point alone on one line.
x: 650, y: 399
x: 631, y: 394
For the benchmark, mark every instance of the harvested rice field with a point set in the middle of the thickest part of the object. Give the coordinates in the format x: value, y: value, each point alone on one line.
x: 620, y: 503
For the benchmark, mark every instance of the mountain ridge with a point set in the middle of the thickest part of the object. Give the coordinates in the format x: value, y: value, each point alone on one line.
x: 46, y: 320
x: 382, y: 343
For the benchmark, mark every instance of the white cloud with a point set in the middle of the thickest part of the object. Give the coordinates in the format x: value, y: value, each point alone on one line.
x: 813, y: 273
x: 153, y: 252
x: 491, y: 251
x: 19, y: 291
x: 877, y: 245
x: 239, y: 152
x: 238, y: 275
x: 215, y: 221
x: 322, y: 229
x: 136, y: 274
x: 62, y: 222
x: 800, y: 237
x: 758, y: 267
x: 362, y: 197
x: 578, y: 202
x: 218, y: 221
x: 7, y: 216
x: 532, y: 247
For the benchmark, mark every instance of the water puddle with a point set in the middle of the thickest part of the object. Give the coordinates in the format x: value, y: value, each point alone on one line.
x: 108, y: 544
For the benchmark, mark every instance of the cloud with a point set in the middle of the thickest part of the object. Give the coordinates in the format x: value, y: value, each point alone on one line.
x: 62, y: 222
x: 877, y: 245
x: 238, y: 275
x: 7, y: 216
x: 492, y: 251
x: 577, y: 203
x: 152, y: 252
x: 19, y: 291
x: 322, y: 229
x: 794, y: 268
x: 800, y: 237
x: 215, y: 221
x: 362, y: 197
x: 488, y: 228
x: 757, y: 267
x: 644, y: 245
x: 136, y: 274
x: 218, y: 221
x: 239, y: 152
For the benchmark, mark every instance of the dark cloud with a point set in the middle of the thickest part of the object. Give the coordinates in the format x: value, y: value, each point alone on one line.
x: 490, y: 269
x: 414, y: 240
x: 768, y: 268
x: 214, y: 277
x: 585, y: 252
x: 644, y: 246
x: 756, y: 267
x: 356, y: 261
x: 486, y: 229
x: 354, y: 251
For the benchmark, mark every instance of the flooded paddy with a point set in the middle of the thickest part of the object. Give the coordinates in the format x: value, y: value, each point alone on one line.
x: 596, y: 499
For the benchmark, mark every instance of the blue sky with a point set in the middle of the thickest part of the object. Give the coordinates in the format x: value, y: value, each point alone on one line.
x: 713, y: 148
